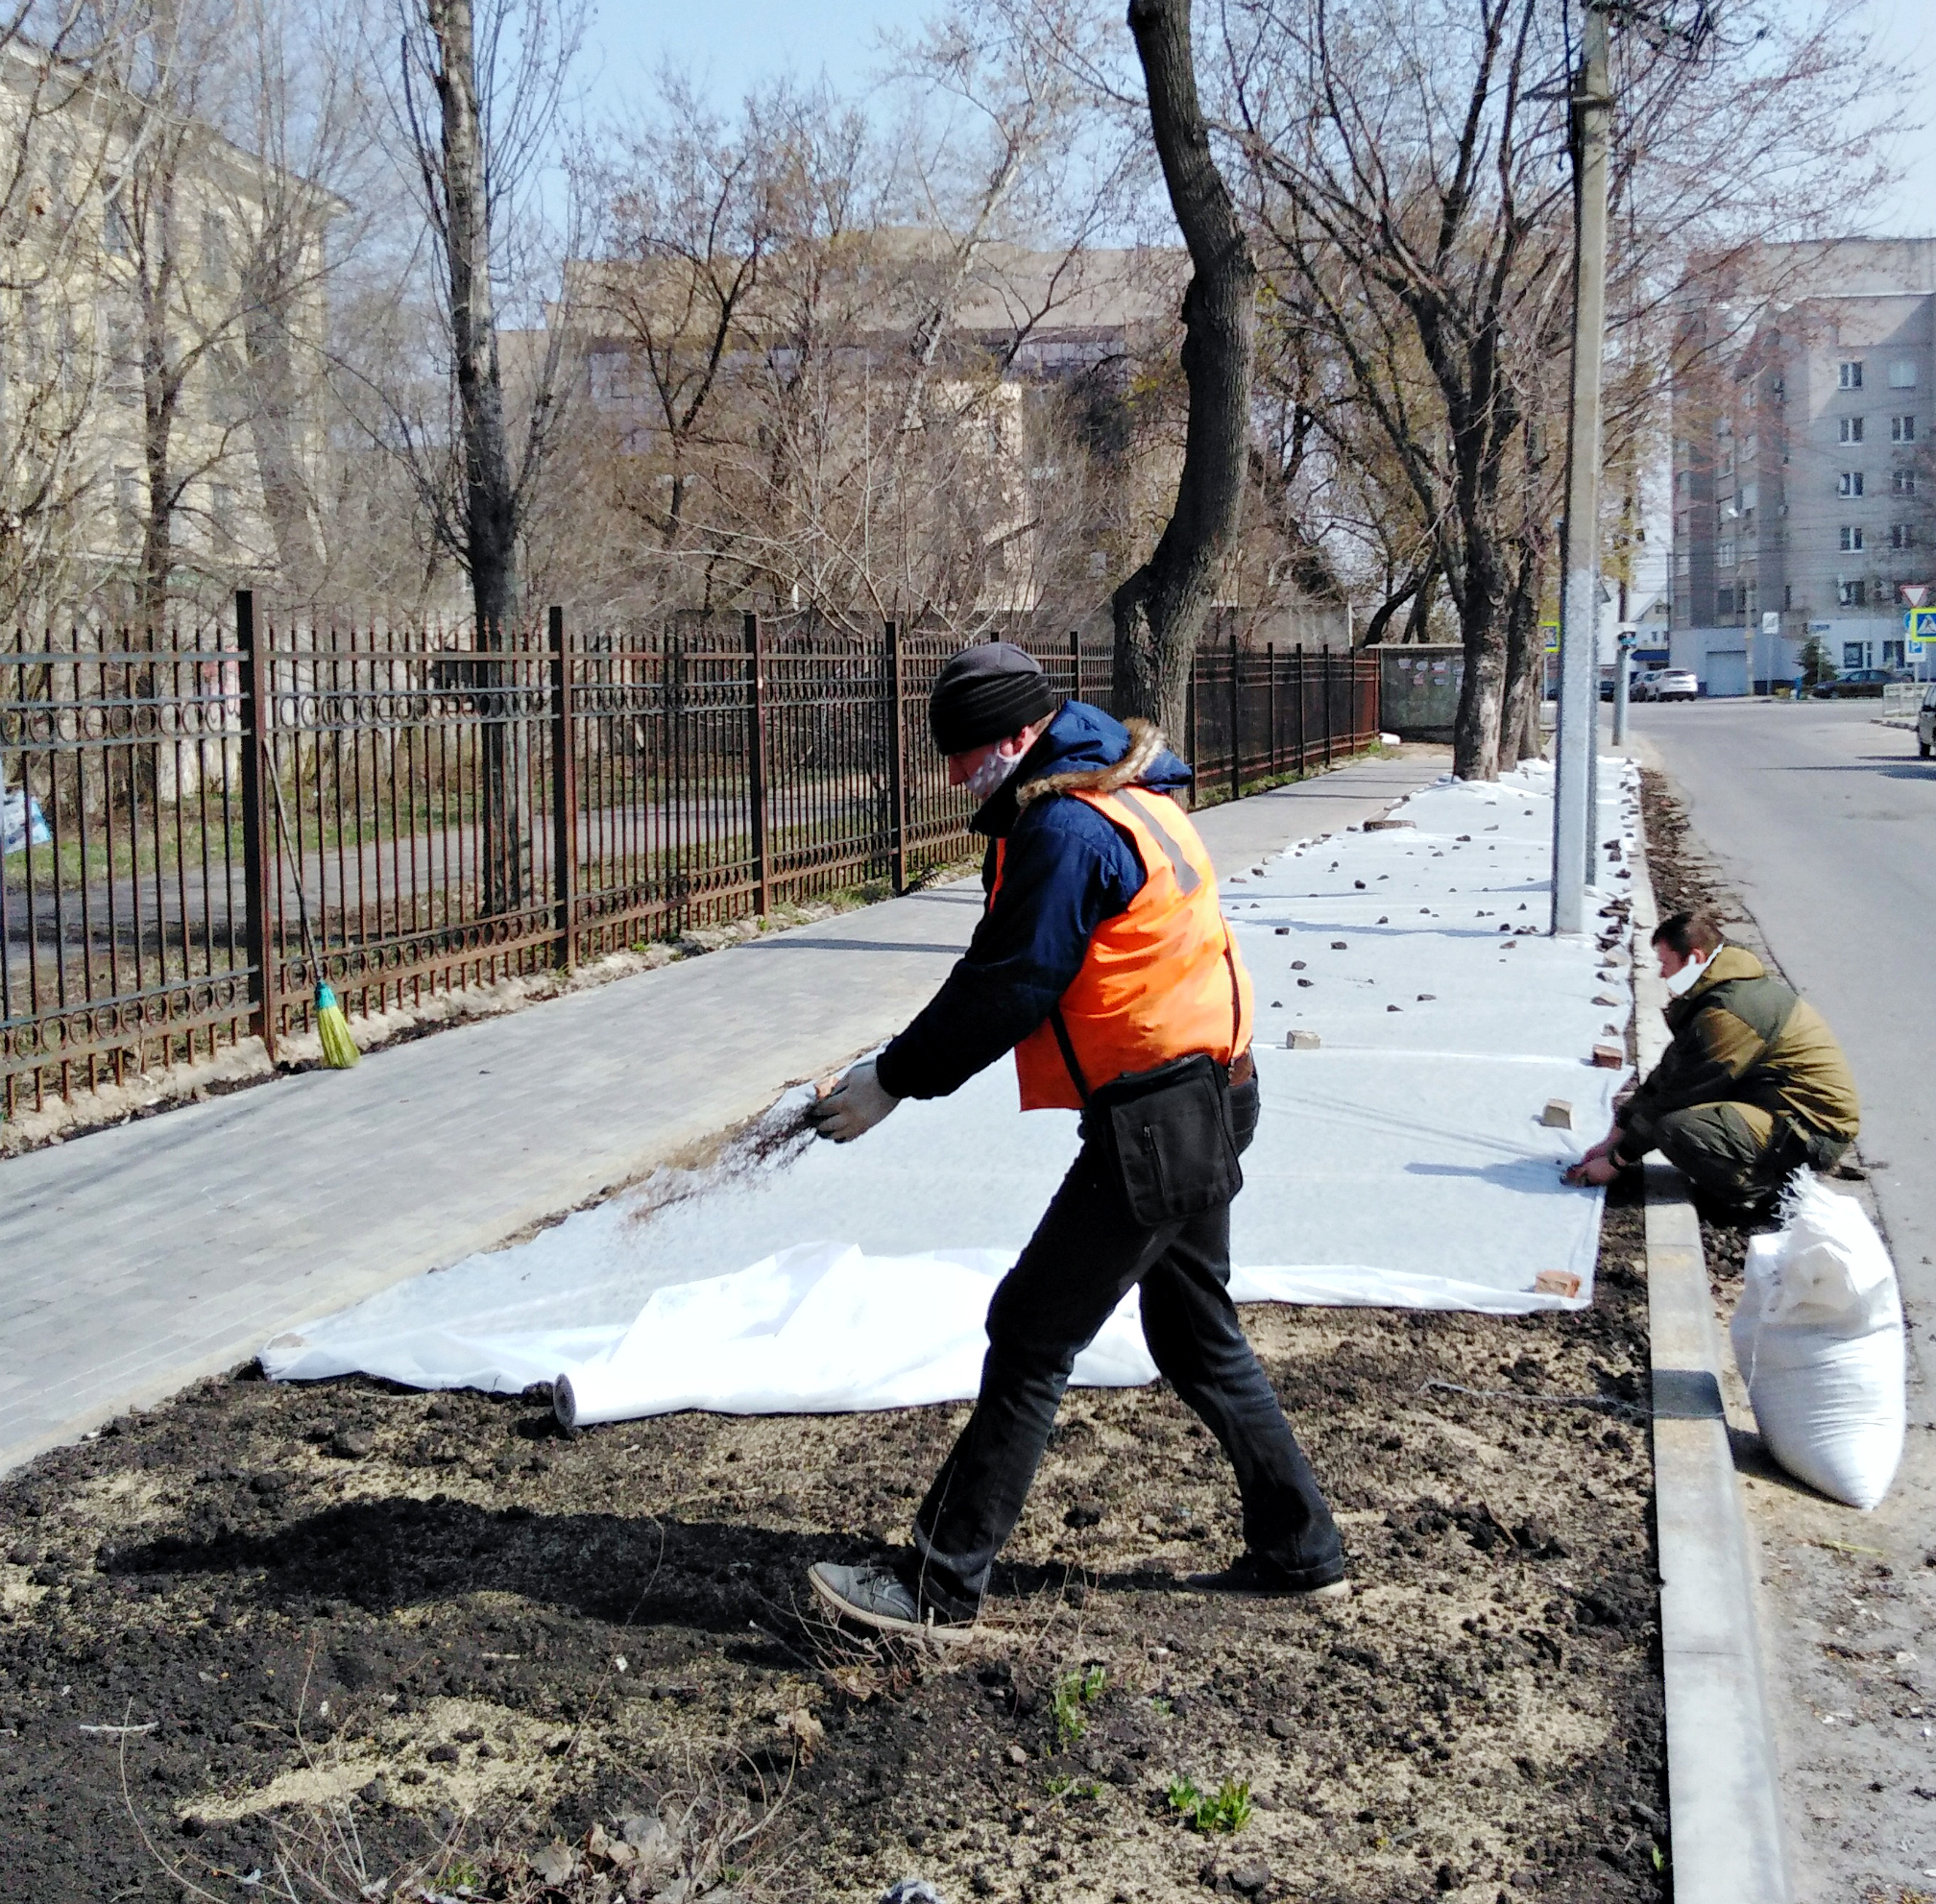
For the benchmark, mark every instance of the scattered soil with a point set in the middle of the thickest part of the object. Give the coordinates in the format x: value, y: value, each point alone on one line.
x: 436, y: 1623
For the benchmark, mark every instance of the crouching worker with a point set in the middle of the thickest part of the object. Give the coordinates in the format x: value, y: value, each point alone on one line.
x: 1103, y: 962
x: 1752, y: 1087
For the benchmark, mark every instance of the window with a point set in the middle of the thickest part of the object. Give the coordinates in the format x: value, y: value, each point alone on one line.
x: 1891, y: 653
x: 222, y: 518
x: 1901, y: 482
x: 1724, y: 554
x: 115, y: 235
x: 1850, y: 594
x: 1854, y: 654
x: 124, y: 363
x: 1724, y: 601
x: 1682, y: 561
x: 1787, y: 595
x: 1849, y: 430
x: 125, y: 497
x: 1902, y: 373
x: 1751, y: 447
x: 1901, y: 429
x: 1849, y: 375
x: 1751, y: 496
x: 1901, y: 535
x: 1852, y: 540
x: 1849, y: 483
x: 215, y: 249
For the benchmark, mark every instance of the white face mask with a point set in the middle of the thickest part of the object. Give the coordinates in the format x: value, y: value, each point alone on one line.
x: 1680, y: 983
x: 990, y: 775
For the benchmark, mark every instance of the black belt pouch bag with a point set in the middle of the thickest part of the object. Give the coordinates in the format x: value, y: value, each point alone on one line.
x: 1174, y: 1145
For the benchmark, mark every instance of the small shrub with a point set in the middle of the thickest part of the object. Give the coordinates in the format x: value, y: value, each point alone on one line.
x: 1228, y: 1810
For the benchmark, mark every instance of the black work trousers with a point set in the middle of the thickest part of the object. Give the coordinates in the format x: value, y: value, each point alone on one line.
x: 1087, y: 1252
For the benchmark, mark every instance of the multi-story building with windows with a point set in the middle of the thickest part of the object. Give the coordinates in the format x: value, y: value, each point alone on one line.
x: 1803, y: 484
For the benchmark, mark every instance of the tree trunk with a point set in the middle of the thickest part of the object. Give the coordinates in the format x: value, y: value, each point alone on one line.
x: 491, y: 512
x: 274, y: 421
x: 1525, y: 668
x: 1482, y: 695
x: 1160, y: 611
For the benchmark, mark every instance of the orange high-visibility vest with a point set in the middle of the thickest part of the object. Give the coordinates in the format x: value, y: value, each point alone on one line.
x: 1160, y: 980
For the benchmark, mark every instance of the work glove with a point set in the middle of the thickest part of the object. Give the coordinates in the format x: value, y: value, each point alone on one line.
x: 854, y: 1104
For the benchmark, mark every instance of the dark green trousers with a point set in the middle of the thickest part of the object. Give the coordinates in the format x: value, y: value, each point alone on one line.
x: 1736, y: 1155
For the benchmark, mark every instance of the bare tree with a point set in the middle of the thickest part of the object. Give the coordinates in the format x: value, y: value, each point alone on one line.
x: 497, y: 75
x: 1159, y: 609
x: 62, y: 131
x: 1408, y: 179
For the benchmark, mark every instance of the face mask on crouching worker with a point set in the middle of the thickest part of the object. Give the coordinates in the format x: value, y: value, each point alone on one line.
x: 1679, y: 983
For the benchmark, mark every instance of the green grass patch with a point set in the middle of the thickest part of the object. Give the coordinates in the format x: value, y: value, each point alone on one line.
x: 1069, y: 1700
x: 1227, y: 1809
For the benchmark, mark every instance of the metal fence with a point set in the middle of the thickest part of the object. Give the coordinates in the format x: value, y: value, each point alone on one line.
x: 196, y: 834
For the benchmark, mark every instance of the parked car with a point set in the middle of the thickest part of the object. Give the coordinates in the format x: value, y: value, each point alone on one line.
x: 1667, y: 684
x: 1925, y: 724
x: 1859, y: 684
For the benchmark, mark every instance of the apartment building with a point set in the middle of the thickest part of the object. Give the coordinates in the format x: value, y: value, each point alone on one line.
x: 1804, y: 491
x: 163, y: 318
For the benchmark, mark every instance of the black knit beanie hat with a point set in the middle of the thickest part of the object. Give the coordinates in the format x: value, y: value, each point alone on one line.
x: 987, y: 694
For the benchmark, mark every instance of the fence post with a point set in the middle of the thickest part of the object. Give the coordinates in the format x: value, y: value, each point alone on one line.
x: 261, y: 939
x: 756, y: 763
x: 1300, y: 709
x: 563, y: 798
x: 1327, y: 707
x: 1190, y: 706
x: 1270, y: 700
x: 1236, y: 728
x: 1075, y: 663
x: 897, y: 759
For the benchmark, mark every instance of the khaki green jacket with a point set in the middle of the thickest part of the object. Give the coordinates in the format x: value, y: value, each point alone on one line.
x: 1741, y: 1036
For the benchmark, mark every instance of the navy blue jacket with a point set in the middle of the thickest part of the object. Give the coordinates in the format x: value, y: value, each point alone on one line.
x: 1067, y: 869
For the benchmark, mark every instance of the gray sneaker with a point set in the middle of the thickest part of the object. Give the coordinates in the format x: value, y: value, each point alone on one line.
x: 873, y: 1597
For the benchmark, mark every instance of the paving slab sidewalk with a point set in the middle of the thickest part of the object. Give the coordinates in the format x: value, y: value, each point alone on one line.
x: 135, y: 1259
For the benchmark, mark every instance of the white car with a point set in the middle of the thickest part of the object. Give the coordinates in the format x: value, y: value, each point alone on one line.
x: 1667, y: 684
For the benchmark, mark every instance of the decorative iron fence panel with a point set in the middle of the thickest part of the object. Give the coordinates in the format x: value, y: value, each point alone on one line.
x: 195, y: 834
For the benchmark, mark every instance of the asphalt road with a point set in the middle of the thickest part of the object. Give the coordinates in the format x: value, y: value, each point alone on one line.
x: 1823, y: 822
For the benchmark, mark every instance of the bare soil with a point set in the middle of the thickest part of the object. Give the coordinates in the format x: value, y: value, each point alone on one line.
x: 434, y: 1629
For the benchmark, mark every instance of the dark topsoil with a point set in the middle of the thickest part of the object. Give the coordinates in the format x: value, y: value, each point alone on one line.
x: 365, y: 1617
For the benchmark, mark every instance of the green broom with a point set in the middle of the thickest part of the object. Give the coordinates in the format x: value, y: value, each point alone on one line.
x: 339, y: 1048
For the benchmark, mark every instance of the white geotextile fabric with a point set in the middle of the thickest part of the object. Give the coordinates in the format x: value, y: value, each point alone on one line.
x: 1401, y: 1162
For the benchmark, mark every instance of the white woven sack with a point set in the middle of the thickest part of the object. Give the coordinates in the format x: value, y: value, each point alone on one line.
x: 1818, y: 1333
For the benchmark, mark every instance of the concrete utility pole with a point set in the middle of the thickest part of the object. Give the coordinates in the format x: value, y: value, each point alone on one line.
x: 1573, y: 816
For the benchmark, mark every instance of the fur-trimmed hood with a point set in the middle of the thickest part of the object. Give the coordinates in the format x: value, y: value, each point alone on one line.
x: 1083, y: 751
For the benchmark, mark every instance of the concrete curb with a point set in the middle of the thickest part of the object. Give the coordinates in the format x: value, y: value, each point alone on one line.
x: 1724, y: 1797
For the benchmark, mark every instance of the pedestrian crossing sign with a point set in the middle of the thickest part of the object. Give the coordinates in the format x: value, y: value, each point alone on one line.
x: 1919, y: 625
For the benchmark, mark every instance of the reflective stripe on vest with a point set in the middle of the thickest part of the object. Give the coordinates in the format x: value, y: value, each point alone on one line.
x: 1157, y: 979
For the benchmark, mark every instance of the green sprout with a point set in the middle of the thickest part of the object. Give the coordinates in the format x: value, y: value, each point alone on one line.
x: 1229, y: 1810
x: 1072, y: 1693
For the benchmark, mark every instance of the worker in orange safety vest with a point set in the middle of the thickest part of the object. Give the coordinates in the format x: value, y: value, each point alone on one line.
x: 1103, y: 962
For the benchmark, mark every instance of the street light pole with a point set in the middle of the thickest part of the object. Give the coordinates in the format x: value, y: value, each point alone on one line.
x: 1573, y: 817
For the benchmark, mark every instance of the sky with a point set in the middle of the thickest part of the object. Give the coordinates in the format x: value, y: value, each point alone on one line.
x: 734, y: 44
